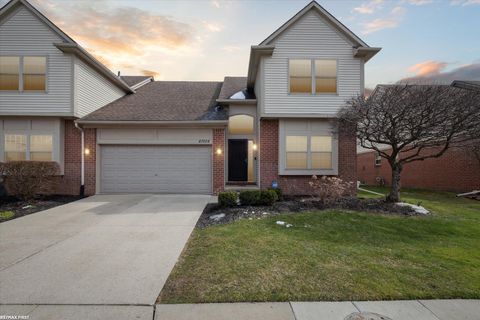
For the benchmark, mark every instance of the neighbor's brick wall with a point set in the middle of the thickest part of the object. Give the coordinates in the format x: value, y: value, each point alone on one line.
x: 299, y: 185
x: 457, y: 170
x: 70, y: 182
x: 218, y: 165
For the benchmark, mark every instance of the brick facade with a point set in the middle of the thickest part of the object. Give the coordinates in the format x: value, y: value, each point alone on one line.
x: 218, y: 162
x: 71, y: 180
x: 457, y: 170
x: 299, y: 185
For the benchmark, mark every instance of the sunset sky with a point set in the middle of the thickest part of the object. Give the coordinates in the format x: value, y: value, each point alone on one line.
x: 206, y: 40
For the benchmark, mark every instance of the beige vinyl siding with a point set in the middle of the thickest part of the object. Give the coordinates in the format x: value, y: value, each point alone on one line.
x: 310, y: 38
x: 92, y: 90
x: 23, y: 34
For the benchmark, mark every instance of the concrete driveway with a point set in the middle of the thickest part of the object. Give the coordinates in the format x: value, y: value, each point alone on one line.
x: 105, y: 249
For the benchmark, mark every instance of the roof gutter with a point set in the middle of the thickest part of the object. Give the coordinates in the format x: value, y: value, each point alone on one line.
x: 256, y: 52
x: 199, y: 123
x: 97, y: 65
x: 236, y: 101
x: 142, y: 83
x: 365, y: 52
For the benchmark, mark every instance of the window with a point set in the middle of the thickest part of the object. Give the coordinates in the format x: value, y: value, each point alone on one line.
x: 240, y: 124
x: 15, y: 147
x: 9, y: 73
x: 378, y: 159
x: 296, y: 152
x: 34, y: 73
x: 325, y: 76
x: 41, y: 147
x: 321, y: 149
x: 28, y: 147
x: 300, y: 76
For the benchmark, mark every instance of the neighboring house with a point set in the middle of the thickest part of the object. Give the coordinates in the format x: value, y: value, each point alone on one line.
x: 457, y: 170
x: 276, y: 126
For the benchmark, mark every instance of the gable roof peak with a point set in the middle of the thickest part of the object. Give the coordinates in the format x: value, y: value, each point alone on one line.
x: 314, y: 5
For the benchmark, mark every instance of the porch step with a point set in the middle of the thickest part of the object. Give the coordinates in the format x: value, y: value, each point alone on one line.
x: 241, y: 187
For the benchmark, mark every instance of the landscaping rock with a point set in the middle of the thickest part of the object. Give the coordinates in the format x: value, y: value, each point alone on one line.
x: 294, y: 205
x: 417, y: 209
x: 217, y: 217
x: 366, y: 316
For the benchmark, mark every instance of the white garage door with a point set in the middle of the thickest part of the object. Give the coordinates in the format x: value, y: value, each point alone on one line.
x: 156, y: 169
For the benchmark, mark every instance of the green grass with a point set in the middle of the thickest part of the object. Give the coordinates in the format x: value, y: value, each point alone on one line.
x: 336, y: 255
x: 5, y: 215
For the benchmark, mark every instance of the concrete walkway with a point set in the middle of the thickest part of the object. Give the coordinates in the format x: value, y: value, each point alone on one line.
x: 395, y: 310
x: 105, y: 249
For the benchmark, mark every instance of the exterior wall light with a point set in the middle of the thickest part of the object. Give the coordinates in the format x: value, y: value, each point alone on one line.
x: 219, y: 151
x: 254, y: 147
x: 87, y: 151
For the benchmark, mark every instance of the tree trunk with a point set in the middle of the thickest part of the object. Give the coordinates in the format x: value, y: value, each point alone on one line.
x: 394, y: 195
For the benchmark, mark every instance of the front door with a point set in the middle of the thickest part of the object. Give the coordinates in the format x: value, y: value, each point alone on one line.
x: 238, y: 160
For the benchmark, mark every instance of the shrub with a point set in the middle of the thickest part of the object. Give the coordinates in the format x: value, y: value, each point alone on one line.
x: 329, y: 189
x: 250, y: 197
x: 227, y: 199
x: 279, y: 193
x: 268, y: 197
x: 25, y: 179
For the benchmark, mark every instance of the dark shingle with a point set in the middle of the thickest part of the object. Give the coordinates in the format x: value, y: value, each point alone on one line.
x: 165, y: 101
x: 232, y: 85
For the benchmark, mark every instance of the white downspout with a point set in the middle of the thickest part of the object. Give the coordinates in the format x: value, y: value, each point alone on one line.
x: 82, y: 157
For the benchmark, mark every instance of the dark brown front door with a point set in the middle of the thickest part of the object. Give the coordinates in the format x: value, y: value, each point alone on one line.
x: 238, y: 160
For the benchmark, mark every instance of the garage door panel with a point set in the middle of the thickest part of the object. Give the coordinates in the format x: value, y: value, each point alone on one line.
x: 156, y: 169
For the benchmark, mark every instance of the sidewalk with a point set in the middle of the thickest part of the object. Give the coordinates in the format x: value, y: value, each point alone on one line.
x: 395, y: 310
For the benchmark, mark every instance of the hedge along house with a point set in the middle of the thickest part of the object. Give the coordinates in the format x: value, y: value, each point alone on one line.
x: 116, y: 134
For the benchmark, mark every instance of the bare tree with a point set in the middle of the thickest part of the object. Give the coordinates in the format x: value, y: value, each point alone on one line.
x: 406, y: 123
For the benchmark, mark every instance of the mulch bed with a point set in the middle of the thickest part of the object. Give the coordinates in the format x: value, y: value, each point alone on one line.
x: 23, y: 208
x: 296, y: 205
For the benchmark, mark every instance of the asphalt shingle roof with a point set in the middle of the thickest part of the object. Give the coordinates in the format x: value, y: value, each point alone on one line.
x: 165, y: 101
x: 232, y: 85
x: 133, y: 80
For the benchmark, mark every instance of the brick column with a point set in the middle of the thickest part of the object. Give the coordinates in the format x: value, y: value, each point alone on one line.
x: 218, y: 162
x: 70, y: 182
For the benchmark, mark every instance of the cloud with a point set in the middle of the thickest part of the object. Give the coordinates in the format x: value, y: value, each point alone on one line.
x: 428, y: 68
x: 369, y: 7
x: 150, y: 73
x: 215, y: 3
x: 212, y: 26
x: 465, y: 72
x: 419, y: 2
x: 119, y: 33
x: 464, y: 3
x: 396, y: 15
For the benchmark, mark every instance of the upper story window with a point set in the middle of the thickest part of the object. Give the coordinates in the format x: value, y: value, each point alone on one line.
x: 241, y: 124
x: 313, y: 76
x: 34, y: 69
x: 325, y: 76
x: 9, y: 73
x: 23, y: 73
x: 300, y: 76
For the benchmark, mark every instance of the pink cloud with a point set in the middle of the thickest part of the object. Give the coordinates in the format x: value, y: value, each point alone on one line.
x: 428, y: 68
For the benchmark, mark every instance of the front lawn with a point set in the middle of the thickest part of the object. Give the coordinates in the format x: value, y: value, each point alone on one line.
x: 335, y: 255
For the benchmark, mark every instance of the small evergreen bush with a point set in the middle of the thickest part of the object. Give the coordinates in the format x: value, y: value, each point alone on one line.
x: 250, y: 197
x: 227, y: 199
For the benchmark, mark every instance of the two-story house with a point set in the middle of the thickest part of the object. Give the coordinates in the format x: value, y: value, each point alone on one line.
x: 276, y: 126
